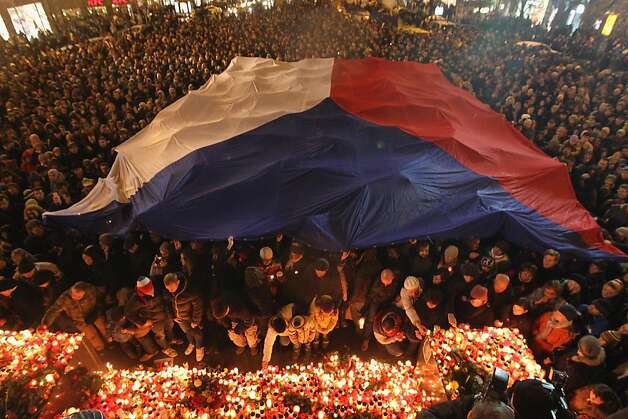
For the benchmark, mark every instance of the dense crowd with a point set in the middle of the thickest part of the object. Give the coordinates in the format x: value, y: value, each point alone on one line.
x: 62, y: 112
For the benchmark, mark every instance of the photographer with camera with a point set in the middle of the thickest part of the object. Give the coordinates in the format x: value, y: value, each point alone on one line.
x: 526, y: 399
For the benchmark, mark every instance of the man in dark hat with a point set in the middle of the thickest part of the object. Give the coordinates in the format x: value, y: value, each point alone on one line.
x: 22, y: 300
x: 325, y: 280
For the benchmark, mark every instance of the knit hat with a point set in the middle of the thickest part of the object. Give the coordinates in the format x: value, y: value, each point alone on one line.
x: 412, y: 283
x: 26, y: 265
x: 603, y: 306
x: 145, y: 286
x: 479, y: 293
x: 612, y: 337
x: 451, y: 252
x: 325, y: 303
x: 7, y: 284
x: 589, y: 346
x: 266, y: 253
x: 321, y: 264
x: 569, y: 312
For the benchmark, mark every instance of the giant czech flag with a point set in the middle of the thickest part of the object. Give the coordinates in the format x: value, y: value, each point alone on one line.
x: 339, y: 154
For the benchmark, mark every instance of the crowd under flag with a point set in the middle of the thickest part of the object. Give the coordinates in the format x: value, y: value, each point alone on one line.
x: 339, y: 154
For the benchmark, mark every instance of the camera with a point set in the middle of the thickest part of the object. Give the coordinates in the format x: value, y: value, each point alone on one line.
x: 495, y: 386
x: 558, y: 379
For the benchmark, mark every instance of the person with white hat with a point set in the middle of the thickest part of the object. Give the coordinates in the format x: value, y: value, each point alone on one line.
x: 408, y: 296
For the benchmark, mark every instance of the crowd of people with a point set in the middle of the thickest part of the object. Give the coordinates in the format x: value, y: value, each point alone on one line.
x: 62, y: 112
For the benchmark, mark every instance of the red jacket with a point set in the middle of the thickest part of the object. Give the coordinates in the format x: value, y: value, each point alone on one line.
x: 557, y: 338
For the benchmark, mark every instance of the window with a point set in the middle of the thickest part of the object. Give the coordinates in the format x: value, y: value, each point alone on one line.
x: 29, y: 19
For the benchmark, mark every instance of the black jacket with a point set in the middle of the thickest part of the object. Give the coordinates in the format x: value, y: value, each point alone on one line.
x: 140, y: 308
x: 432, y: 317
x: 185, y: 304
x: 475, y: 317
x: 239, y: 311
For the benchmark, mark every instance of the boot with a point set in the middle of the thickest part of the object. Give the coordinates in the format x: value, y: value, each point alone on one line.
x: 200, y: 354
x: 316, y: 344
x: 169, y: 352
x: 189, y: 349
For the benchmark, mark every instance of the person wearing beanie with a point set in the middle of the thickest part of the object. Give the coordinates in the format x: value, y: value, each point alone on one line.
x: 232, y: 311
x: 587, y: 365
x: 554, y: 330
x: 185, y: 306
x: 449, y: 260
x: 392, y: 331
x: 83, y: 304
x: 526, y: 281
x: 408, y: 296
x: 501, y: 294
x: 499, y: 253
x: 475, y: 309
x: 595, y: 316
x: 99, y: 273
x: 27, y: 267
x: 145, y: 308
x: 324, y: 314
x: 270, y: 267
x: 460, y: 285
x: 21, y: 300
x: 382, y: 293
x: 518, y: 317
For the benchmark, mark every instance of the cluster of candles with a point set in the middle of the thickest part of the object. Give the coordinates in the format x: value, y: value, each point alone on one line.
x: 332, y: 388
x: 27, y: 354
x: 487, y: 348
x: 335, y: 387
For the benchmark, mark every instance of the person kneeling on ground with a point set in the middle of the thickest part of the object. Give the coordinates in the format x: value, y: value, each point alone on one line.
x: 83, y: 304
x: 231, y: 311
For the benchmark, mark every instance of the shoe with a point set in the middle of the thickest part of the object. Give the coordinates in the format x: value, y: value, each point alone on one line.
x: 189, y: 349
x: 169, y: 352
x: 240, y: 350
x: 177, y: 341
x: 200, y: 354
x: 325, y: 344
x: 254, y: 350
x: 147, y: 357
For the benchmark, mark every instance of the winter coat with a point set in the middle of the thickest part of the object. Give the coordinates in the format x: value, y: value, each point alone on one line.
x: 141, y: 308
x: 556, y: 339
x: 185, y: 305
x: 291, y: 287
x: 432, y: 317
x: 78, y: 311
x: 239, y: 312
x: 583, y: 371
x: 476, y: 317
x: 406, y: 302
x: 323, y: 322
x: 305, y: 335
x: 523, y: 323
x: 379, y: 333
x: 594, y: 325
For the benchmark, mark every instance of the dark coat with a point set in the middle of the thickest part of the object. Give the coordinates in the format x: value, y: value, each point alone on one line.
x: 432, y: 317
x: 78, y: 311
x: 475, y: 317
x: 141, y: 308
x: 185, y: 304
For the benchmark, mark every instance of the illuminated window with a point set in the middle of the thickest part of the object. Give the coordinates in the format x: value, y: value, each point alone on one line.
x: 439, y: 10
x: 4, y: 33
x: 29, y: 19
x: 609, y: 24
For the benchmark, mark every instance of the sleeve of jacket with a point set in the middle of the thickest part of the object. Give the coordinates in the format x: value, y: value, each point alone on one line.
x: 408, y: 307
x: 54, y: 311
x: 197, y: 308
x: 132, y: 312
